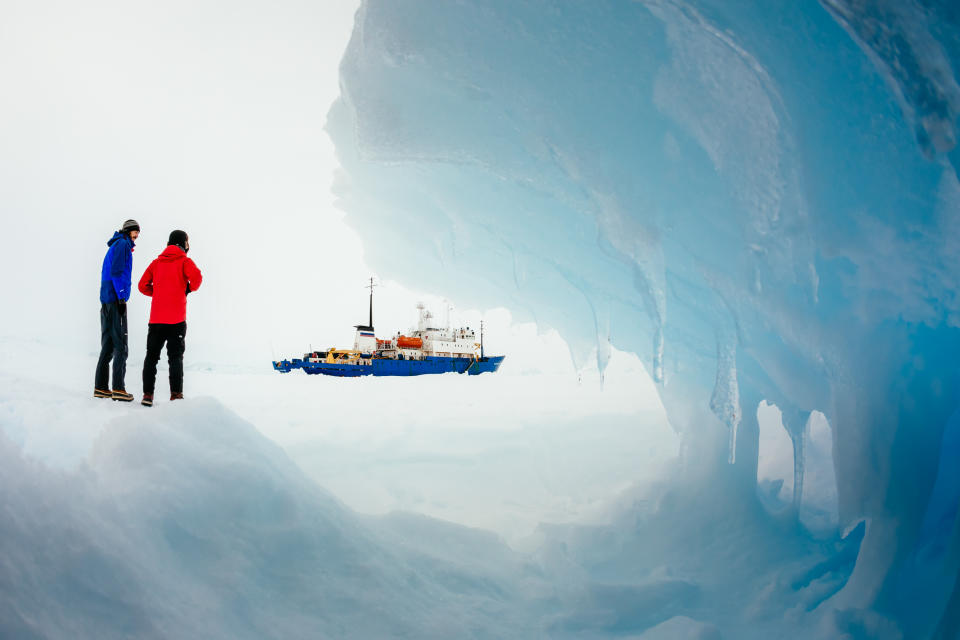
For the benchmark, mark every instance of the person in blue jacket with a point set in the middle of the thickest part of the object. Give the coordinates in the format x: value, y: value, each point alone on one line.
x: 115, y: 284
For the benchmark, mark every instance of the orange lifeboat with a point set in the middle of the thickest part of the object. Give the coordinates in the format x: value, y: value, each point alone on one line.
x: 405, y: 342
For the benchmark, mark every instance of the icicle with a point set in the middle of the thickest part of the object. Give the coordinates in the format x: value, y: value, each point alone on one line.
x: 797, y: 425
x: 603, y: 342
x: 655, y: 302
x: 732, y: 444
x: 798, y: 464
x: 725, y: 401
x: 658, y: 355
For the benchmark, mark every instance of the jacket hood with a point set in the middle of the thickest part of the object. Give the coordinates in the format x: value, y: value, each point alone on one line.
x: 171, y: 253
x: 116, y: 236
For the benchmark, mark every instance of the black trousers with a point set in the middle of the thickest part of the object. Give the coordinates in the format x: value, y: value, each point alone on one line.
x: 113, y: 346
x: 174, y: 336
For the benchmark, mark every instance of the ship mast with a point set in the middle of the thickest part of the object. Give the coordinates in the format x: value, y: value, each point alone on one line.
x: 371, y: 286
x: 481, y: 339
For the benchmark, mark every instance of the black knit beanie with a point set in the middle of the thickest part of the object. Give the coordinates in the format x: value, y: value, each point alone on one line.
x: 178, y: 238
x: 130, y: 225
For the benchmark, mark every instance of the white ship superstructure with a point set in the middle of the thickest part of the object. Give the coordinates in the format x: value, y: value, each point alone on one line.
x: 454, y: 343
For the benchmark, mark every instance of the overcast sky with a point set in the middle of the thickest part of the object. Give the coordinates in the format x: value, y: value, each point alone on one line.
x: 209, y: 117
x: 204, y: 116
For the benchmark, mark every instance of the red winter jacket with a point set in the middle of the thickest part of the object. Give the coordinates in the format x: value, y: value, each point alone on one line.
x: 167, y: 280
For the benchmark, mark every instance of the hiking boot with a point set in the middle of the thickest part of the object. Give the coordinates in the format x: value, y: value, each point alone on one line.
x: 176, y: 395
x: 147, y: 400
x: 122, y: 396
x: 102, y: 393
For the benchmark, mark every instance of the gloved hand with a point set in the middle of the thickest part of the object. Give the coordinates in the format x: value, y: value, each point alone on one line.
x: 122, y: 306
x: 188, y: 288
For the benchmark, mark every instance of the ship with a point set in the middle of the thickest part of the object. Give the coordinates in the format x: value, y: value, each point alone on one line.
x: 428, y: 349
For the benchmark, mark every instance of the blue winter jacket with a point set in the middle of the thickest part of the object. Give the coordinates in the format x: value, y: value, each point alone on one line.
x: 117, y: 272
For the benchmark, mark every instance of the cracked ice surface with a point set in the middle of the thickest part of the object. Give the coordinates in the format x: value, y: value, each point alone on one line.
x: 761, y: 201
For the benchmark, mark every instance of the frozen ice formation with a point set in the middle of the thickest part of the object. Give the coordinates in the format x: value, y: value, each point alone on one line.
x: 759, y: 199
x: 914, y: 45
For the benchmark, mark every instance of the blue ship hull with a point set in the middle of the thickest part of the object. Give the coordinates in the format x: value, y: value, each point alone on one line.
x: 391, y: 367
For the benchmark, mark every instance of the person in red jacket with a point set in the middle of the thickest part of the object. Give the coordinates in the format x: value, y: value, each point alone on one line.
x: 168, y: 280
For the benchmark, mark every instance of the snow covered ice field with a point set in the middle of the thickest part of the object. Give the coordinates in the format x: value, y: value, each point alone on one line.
x: 497, y: 452
x: 188, y: 522
x: 245, y: 512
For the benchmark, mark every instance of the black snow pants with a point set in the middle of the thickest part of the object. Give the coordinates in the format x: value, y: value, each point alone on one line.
x: 113, y: 346
x: 174, y: 336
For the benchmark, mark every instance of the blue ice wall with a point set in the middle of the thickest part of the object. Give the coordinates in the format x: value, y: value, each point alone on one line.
x: 760, y: 199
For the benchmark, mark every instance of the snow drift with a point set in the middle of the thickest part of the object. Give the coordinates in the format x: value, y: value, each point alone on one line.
x: 186, y: 522
x: 761, y: 201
